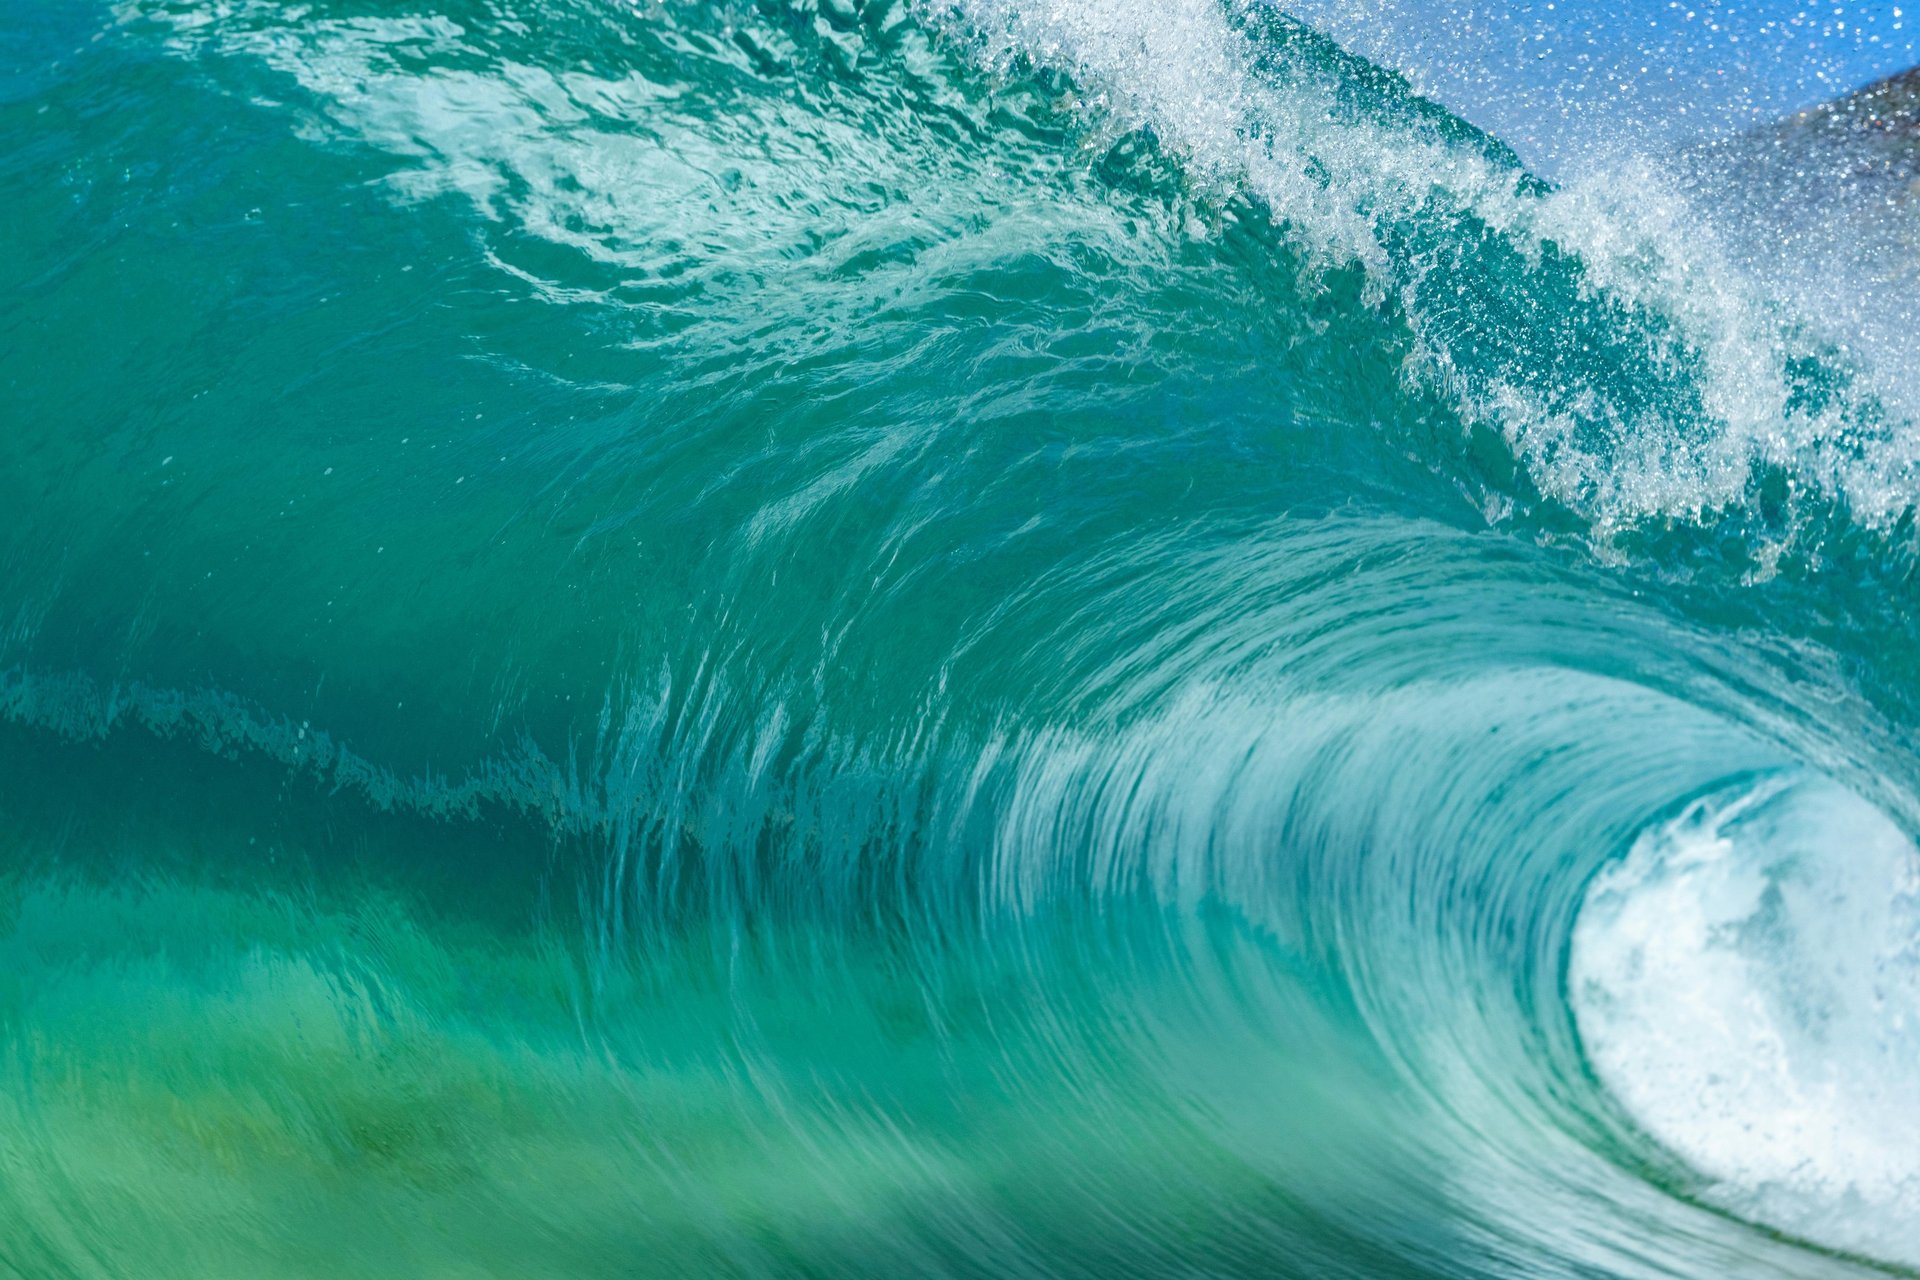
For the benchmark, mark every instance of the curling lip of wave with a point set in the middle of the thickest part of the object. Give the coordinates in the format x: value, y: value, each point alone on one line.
x: 1713, y: 400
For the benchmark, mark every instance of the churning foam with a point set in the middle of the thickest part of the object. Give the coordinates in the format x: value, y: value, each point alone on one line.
x: 554, y: 152
x: 1346, y: 184
x: 1747, y: 983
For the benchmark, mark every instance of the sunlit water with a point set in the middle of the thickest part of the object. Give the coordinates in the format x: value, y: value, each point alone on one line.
x: 981, y: 638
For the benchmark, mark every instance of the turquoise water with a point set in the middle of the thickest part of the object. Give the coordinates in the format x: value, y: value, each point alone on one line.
x: 996, y: 638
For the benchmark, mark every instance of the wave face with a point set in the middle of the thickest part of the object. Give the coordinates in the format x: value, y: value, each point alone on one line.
x: 990, y: 637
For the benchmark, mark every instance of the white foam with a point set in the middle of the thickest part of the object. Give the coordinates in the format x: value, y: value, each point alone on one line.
x: 623, y: 172
x: 1747, y: 984
x: 1194, y: 76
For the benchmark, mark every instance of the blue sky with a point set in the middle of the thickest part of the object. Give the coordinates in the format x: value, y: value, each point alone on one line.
x: 1567, y: 80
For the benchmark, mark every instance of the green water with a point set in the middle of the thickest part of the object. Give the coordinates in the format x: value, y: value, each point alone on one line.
x: 982, y: 639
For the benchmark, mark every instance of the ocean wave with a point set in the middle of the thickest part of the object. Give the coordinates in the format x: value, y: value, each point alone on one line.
x: 1117, y: 647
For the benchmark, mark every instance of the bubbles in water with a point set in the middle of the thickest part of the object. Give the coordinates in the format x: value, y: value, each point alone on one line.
x: 1747, y: 983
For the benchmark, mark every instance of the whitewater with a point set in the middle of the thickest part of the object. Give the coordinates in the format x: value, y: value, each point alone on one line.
x: 940, y: 637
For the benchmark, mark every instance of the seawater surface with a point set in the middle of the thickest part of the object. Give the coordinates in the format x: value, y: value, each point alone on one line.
x: 976, y: 638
